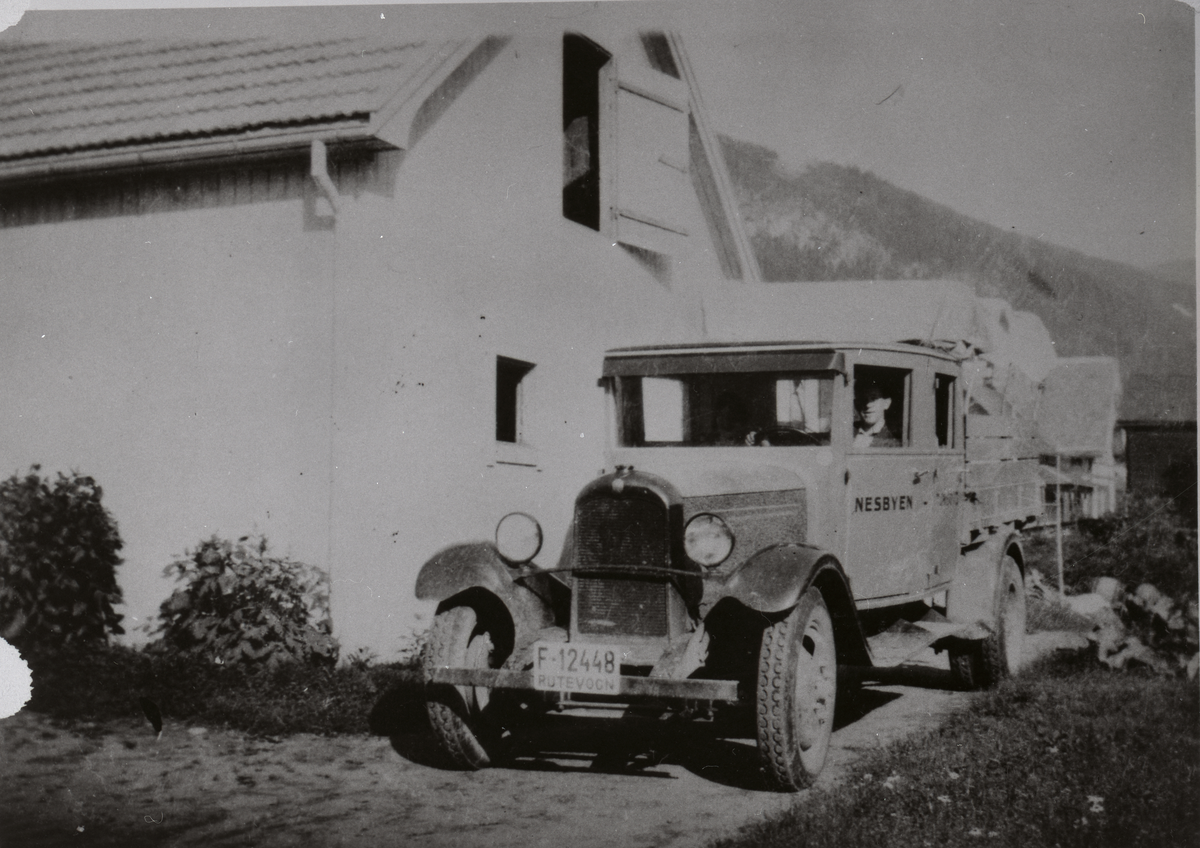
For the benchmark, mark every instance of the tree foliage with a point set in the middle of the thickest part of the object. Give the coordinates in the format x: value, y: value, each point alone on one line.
x: 239, y: 604
x: 1151, y: 541
x: 58, y: 558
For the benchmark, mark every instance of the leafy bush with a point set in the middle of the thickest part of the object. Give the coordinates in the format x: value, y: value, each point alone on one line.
x: 1149, y: 542
x: 241, y: 605
x: 58, y: 558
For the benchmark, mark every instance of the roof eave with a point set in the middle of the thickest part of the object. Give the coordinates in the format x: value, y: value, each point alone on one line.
x: 187, y: 151
x: 726, y: 196
x: 396, y: 118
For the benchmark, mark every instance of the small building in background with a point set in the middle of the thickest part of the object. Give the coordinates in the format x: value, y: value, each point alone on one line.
x: 1077, y: 414
x: 1157, y: 431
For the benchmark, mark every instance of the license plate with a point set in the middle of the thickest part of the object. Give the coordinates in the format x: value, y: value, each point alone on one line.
x: 586, y: 669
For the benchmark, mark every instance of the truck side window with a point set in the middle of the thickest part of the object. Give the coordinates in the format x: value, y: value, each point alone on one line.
x: 944, y: 409
x: 880, y: 414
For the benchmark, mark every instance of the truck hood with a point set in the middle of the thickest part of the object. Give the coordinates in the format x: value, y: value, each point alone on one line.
x: 727, y: 471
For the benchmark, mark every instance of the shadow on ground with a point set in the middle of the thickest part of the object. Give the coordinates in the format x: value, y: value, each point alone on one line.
x: 722, y: 751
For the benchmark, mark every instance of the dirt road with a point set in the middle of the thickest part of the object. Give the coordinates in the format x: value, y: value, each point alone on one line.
x: 582, y: 787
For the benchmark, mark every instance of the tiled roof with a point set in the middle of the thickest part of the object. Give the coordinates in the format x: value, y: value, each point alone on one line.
x: 1078, y: 407
x: 58, y: 98
x: 1160, y: 397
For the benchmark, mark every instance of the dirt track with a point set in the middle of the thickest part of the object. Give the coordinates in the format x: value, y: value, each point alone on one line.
x: 591, y: 786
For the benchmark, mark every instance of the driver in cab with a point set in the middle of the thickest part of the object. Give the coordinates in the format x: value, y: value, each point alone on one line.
x: 798, y: 419
x: 871, y: 430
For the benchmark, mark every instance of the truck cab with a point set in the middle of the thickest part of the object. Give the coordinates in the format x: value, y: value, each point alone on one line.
x: 770, y: 513
x: 776, y: 441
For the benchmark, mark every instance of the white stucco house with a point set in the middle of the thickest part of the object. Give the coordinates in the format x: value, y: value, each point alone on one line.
x: 346, y: 292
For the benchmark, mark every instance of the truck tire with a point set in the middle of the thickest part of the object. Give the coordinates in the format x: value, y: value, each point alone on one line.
x: 796, y: 693
x: 458, y: 715
x: 984, y: 664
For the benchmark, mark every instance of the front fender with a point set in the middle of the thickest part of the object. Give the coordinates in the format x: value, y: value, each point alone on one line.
x: 774, y: 579
x: 532, y: 598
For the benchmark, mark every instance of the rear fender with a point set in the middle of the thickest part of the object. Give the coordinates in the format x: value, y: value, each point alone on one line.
x: 530, y: 597
x: 972, y: 597
x: 774, y: 580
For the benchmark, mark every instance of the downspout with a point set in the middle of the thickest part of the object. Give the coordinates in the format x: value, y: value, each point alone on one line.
x: 319, y: 169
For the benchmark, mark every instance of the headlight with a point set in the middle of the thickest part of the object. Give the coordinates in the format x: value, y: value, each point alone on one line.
x: 707, y: 540
x: 518, y: 537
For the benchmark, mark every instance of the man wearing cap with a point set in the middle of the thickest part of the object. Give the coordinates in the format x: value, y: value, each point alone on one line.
x: 872, y: 431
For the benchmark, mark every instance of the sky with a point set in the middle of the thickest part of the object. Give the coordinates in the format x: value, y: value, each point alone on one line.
x: 1069, y: 121
x: 1073, y: 122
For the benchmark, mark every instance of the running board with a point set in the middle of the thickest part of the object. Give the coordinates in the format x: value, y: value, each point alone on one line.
x: 905, y: 639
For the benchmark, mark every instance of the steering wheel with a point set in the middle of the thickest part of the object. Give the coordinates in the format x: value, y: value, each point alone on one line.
x: 785, y: 437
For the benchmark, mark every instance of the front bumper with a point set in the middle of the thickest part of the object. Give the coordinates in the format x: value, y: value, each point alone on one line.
x: 631, y: 687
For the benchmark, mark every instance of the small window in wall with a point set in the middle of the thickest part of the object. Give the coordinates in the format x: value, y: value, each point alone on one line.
x: 880, y: 407
x: 944, y: 409
x: 582, y: 62
x: 510, y: 388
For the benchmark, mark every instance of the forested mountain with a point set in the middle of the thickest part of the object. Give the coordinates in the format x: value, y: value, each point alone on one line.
x: 1181, y: 272
x: 834, y: 222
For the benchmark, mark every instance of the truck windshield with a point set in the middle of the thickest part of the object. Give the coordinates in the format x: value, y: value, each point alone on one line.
x: 775, y: 409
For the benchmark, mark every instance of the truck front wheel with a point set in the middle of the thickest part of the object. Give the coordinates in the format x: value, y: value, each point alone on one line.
x: 984, y: 664
x: 797, y: 688
x: 458, y: 715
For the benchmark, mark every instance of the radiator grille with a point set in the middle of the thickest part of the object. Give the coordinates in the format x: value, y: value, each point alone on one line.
x: 621, y: 531
x: 625, y: 606
x: 629, y: 531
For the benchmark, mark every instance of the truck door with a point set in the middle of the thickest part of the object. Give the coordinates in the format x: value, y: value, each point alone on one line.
x: 900, y: 532
x: 942, y: 495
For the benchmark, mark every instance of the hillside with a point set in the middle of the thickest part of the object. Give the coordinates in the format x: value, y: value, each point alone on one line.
x: 833, y: 222
x: 1181, y: 272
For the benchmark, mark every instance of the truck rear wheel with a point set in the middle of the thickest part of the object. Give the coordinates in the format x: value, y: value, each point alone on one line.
x: 984, y: 664
x: 796, y: 692
x: 458, y: 715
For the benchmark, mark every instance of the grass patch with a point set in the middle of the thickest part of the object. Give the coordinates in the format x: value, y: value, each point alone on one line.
x: 1069, y: 754
x: 1045, y: 615
x: 105, y: 684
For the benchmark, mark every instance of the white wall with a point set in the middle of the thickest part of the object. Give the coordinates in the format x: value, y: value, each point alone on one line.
x: 191, y: 361
x: 472, y: 259
x: 181, y: 359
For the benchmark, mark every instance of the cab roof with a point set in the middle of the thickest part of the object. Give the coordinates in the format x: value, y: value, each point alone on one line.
x: 707, y: 357
x: 764, y: 346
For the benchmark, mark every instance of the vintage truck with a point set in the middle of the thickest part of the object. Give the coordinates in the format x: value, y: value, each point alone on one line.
x: 771, y: 513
